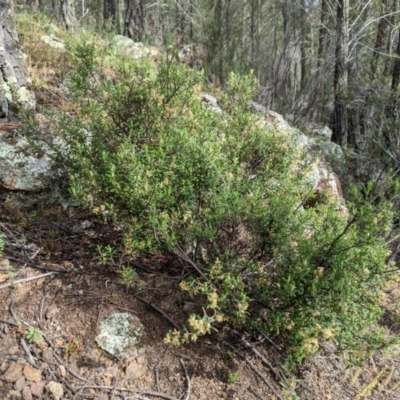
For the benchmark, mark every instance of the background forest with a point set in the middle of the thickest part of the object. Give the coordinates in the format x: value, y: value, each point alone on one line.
x: 333, y: 62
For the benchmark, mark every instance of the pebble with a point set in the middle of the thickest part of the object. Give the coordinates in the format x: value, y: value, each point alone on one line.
x: 14, y: 394
x: 62, y: 370
x: 37, y: 388
x: 47, y: 354
x: 13, y: 373
x: 13, y: 350
x: 55, y: 389
x: 26, y: 393
x: 32, y: 374
x: 135, y: 369
x: 20, y: 383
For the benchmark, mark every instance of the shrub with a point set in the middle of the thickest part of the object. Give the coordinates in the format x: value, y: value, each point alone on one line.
x: 225, y: 194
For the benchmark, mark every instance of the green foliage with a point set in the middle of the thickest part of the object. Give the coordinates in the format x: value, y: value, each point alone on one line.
x: 233, y: 377
x: 106, y: 254
x: 34, y: 335
x: 128, y: 277
x: 1, y: 243
x: 227, y: 194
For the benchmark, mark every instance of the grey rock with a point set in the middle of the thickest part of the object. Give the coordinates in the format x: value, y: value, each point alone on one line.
x: 123, y: 46
x: 257, y: 108
x: 332, y: 151
x: 53, y: 42
x: 210, y: 102
x: 325, y: 133
x: 120, y: 335
x: 19, y: 168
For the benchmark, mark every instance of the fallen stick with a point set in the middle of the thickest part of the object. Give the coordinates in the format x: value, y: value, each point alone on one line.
x: 188, y: 380
x: 253, y: 368
x: 32, y: 278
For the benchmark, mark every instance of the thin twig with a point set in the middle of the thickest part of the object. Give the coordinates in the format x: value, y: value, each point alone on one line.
x: 160, y: 311
x: 33, y: 265
x: 156, y: 369
x: 30, y: 259
x: 258, y: 354
x: 32, y: 278
x: 181, y: 254
x: 270, y: 341
x: 253, y: 368
x: 29, y: 354
x: 19, y: 246
x: 144, y: 392
x: 188, y: 380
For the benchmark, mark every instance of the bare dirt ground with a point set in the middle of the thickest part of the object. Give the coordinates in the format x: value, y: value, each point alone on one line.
x: 71, y: 293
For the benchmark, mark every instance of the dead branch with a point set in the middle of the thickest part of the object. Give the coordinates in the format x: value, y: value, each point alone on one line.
x: 252, y: 367
x: 160, y: 311
x: 188, y: 380
x: 32, y: 278
x: 29, y: 354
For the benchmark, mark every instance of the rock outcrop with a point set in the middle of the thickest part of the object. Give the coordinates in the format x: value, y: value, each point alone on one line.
x: 123, y: 46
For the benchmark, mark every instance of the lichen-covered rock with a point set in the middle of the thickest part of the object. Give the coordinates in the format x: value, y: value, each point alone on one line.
x: 54, y: 42
x: 20, y: 169
x: 123, y: 46
x: 120, y: 335
x: 210, y: 102
x: 321, y: 177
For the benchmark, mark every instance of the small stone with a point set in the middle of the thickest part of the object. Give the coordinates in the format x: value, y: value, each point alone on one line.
x: 20, y: 383
x: 62, y: 370
x: 32, y: 374
x: 26, y: 393
x: 47, y: 354
x: 51, y: 312
x: 134, y: 370
x: 37, y: 388
x: 13, y: 373
x: 23, y: 362
x: 13, y: 350
x: 107, y: 380
x: 55, y: 389
x: 14, y: 394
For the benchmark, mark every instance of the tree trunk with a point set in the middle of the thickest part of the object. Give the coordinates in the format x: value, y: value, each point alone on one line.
x: 339, y: 119
x: 134, y: 26
x: 68, y: 14
x: 100, y: 15
x: 322, y: 40
x: 381, y: 35
x: 120, y: 16
x: 14, y: 79
x: 109, y: 11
